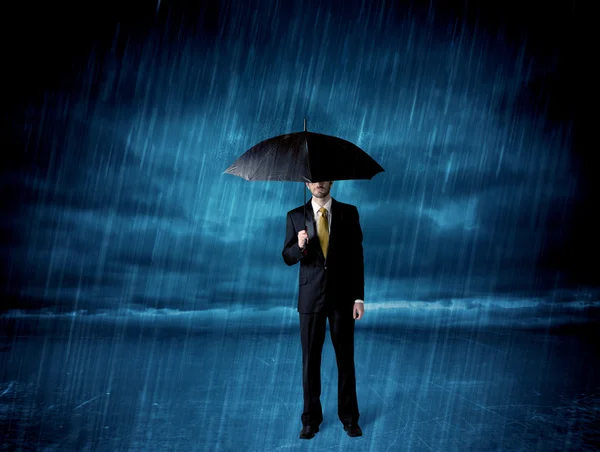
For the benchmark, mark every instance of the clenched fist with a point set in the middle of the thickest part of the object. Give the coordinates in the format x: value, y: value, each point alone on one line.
x: 302, y: 238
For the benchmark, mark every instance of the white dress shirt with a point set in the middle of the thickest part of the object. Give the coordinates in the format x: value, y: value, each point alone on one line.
x: 317, y: 217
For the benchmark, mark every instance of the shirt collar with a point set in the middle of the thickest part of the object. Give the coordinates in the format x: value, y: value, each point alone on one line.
x: 316, y: 207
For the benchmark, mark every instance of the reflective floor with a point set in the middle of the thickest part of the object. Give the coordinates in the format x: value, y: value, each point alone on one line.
x: 101, y: 384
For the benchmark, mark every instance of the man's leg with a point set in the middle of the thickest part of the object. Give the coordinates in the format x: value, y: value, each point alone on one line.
x: 312, y: 334
x: 341, y: 326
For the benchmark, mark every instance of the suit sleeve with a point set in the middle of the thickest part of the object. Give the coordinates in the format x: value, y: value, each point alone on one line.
x: 358, y: 267
x: 291, y: 251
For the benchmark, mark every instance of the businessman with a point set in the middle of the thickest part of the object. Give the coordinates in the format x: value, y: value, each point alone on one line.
x: 331, y: 288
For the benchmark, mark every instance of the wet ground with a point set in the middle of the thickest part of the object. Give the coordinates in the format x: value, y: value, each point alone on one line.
x: 104, y: 384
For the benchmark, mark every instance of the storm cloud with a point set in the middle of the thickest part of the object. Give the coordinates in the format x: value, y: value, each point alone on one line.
x: 120, y: 197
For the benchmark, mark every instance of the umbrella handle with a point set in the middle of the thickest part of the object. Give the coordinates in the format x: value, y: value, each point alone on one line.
x: 304, y: 191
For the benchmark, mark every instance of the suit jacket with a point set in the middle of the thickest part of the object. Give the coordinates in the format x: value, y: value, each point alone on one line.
x: 335, y: 282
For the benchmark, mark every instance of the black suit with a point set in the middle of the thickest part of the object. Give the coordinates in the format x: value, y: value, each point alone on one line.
x: 328, y: 288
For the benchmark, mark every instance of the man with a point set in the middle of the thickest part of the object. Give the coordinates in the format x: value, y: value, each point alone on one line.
x: 331, y: 287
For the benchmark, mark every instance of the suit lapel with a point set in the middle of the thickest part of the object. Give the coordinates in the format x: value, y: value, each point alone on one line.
x: 336, y: 219
x: 311, y: 228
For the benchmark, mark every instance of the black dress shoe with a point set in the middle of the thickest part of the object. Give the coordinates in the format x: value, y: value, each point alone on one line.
x: 353, y: 430
x: 308, y: 431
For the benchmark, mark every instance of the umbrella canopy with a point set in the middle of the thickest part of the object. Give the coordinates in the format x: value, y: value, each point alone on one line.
x: 304, y: 156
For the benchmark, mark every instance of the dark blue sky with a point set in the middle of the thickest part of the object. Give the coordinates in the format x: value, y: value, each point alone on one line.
x: 121, y: 122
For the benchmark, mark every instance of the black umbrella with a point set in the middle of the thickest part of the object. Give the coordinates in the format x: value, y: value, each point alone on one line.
x: 306, y: 157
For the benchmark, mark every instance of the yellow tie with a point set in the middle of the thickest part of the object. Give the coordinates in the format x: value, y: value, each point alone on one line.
x: 323, y: 230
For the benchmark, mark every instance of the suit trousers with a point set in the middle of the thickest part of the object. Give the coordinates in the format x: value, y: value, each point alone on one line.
x: 312, y: 333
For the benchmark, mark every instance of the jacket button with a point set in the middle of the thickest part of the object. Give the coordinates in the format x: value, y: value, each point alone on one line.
x: 326, y: 267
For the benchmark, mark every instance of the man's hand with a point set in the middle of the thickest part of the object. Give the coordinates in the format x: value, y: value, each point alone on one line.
x: 302, y: 238
x: 359, y: 310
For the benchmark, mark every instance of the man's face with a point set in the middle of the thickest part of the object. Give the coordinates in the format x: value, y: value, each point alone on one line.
x: 319, y: 189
